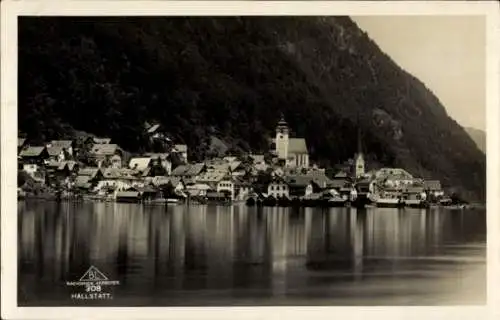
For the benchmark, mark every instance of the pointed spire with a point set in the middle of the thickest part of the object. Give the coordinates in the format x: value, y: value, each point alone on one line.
x: 282, y: 121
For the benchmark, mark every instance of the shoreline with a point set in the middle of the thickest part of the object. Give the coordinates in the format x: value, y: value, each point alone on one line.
x: 51, y: 198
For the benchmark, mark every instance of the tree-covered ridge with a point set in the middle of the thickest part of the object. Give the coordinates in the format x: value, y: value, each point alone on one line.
x: 231, y: 77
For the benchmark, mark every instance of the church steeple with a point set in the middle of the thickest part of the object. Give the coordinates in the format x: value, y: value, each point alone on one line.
x: 282, y: 133
x: 282, y: 124
x: 360, y: 161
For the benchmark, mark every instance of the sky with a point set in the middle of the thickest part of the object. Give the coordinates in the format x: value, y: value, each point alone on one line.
x: 447, y: 53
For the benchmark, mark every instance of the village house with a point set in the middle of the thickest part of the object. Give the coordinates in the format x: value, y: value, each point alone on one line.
x: 259, y: 162
x: 176, y: 183
x: 198, y: 189
x: 413, y: 193
x: 68, y: 168
x: 433, y: 188
x: 237, y: 169
x: 226, y: 186
x: 303, y: 185
x: 88, y: 178
x: 164, y: 159
x: 278, y: 188
x: 66, y: 145
x: 32, y: 158
x: 220, y: 181
x: 189, y: 172
x: 119, y: 179
x: 107, y: 155
x: 394, y: 177
x: 61, y: 172
x: 290, y: 151
x: 56, y: 153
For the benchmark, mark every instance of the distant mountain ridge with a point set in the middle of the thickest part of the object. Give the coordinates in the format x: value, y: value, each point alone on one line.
x: 478, y: 136
x: 232, y: 77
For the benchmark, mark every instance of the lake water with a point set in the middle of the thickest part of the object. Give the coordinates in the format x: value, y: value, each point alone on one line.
x: 235, y: 255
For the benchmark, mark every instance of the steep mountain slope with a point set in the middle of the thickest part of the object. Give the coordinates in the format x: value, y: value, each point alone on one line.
x: 478, y: 136
x: 231, y: 78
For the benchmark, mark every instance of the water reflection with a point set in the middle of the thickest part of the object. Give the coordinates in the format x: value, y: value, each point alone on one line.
x: 234, y: 254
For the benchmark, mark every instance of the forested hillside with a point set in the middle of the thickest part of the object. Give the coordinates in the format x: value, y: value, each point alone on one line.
x: 231, y: 78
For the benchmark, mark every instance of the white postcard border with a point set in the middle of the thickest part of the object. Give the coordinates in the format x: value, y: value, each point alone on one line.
x: 12, y: 9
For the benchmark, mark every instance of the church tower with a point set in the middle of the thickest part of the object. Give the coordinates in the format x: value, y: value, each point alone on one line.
x: 282, y: 138
x: 360, y: 161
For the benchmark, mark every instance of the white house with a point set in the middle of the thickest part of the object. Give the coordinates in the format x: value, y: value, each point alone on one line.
x: 293, y: 151
x: 278, y: 188
x: 226, y: 185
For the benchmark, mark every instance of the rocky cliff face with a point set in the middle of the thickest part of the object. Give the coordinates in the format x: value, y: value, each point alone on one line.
x: 231, y: 78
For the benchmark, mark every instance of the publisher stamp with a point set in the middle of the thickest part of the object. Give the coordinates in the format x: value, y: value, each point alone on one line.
x: 93, y: 285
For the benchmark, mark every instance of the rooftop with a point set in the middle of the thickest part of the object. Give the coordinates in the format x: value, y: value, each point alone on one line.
x: 102, y: 149
x: 61, y: 143
x: 32, y: 152
x: 139, y: 164
x: 297, y: 146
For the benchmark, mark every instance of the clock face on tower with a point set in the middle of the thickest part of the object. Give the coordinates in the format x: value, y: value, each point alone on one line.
x: 281, y: 136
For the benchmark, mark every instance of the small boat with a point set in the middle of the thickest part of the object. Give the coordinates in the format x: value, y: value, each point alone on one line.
x: 172, y: 201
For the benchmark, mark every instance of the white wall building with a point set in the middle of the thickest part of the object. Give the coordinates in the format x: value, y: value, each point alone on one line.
x: 291, y: 150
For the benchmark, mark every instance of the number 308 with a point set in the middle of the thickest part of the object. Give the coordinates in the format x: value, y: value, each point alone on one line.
x: 93, y: 288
